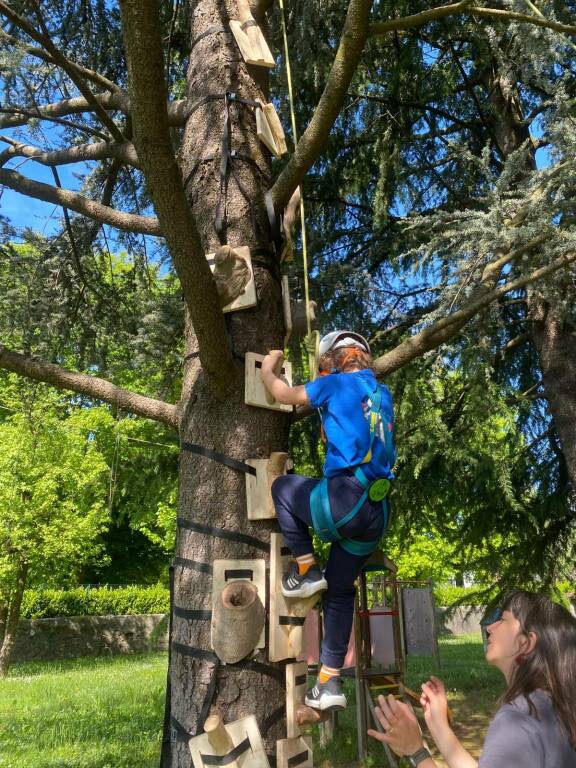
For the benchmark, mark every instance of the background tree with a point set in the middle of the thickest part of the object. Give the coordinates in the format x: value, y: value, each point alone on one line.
x: 52, y: 508
x: 67, y: 69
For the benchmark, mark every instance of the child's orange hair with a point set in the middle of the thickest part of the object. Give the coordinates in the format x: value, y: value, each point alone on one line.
x: 343, y: 360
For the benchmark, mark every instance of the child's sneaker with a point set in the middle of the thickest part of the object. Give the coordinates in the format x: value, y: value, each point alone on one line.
x: 326, y: 695
x: 296, y: 585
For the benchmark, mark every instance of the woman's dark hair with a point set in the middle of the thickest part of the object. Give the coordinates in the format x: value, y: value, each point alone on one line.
x: 551, y: 666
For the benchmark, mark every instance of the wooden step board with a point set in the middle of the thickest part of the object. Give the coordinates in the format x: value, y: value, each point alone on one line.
x: 248, y: 298
x: 249, y: 37
x: 269, y: 129
x: 296, y: 683
x: 239, y: 744
x: 255, y: 393
x: 294, y: 753
x: 259, y: 499
x: 286, y: 616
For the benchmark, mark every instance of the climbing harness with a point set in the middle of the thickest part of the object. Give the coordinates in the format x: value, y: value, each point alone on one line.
x: 375, y: 490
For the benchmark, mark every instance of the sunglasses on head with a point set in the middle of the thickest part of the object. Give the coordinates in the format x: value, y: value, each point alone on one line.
x: 496, y: 615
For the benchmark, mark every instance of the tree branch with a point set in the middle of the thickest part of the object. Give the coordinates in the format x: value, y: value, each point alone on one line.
x: 177, y: 110
x: 61, y: 60
x: 419, y: 19
x: 311, y: 144
x: 130, y: 222
x: 92, y: 386
x: 40, y: 53
x: 447, y: 327
x: 148, y: 98
x: 48, y: 45
x: 78, y: 80
x: 75, y: 106
x: 76, y: 154
x: 21, y: 116
x: 496, y: 13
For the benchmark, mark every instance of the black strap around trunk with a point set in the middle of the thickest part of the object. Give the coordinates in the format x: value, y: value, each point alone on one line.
x: 238, y: 750
x: 298, y: 759
x: 221, y: 533
x: 199, y: 450
x: 291, y: 621
x: 192, y: 614
x: 249, y: 664
x: 227, y: 154
x: 210, y: 31
x: 194, y: 565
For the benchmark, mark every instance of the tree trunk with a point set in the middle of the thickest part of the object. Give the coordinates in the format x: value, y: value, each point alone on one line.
x: 13, y: 616
x: 555, y: 342
x: 212, y: 494
x: 3, y: 617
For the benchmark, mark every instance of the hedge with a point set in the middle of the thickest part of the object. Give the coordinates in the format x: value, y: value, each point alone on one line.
x: 133, y: 600
x: 95, y: 601
x: 446, y: 595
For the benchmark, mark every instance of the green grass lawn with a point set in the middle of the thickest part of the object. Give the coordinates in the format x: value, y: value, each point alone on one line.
x: 107, y: 712
x: 86, y: 713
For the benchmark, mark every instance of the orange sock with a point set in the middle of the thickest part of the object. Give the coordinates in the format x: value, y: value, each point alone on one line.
x: 305, y: 562
x: 326, y: 673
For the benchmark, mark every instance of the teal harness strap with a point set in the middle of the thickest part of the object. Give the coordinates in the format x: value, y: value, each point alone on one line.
x: 323, y: 522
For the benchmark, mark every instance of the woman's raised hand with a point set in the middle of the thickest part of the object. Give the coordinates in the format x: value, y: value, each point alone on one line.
x: 400, y: 727
x: 435, y: 705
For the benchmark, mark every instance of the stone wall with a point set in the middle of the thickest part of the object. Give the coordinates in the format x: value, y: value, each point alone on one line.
x: 463, y: 620
x: 69, y: 637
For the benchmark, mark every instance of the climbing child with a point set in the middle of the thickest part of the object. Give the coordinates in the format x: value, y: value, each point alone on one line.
x: 348, y: 506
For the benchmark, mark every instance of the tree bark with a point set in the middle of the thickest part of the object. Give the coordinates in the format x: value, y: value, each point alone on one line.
x: 3, y: 617
x: 555, y: 343
x: 212, y: 494
x: 553, y: 339
x: 12, y: 620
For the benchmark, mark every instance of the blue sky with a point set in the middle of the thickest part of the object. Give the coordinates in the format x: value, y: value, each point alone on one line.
x: 26, y: 211
x: 46, y: 218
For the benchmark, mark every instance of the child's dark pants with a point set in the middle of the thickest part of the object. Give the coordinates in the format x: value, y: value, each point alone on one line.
x: 291, y: 494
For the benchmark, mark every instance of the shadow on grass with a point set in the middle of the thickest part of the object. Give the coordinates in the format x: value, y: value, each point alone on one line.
x: 83, y: 663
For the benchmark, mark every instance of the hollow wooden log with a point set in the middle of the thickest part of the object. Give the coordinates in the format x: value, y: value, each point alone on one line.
x: 237, y: 621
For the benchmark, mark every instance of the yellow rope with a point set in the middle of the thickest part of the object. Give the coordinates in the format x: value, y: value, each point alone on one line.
x: 312, y: 340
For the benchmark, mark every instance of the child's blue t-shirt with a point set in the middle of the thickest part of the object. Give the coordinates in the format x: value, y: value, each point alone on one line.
x: 343, y: 400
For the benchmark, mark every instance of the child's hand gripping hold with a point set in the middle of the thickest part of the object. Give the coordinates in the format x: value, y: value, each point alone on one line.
x: 280, y: 390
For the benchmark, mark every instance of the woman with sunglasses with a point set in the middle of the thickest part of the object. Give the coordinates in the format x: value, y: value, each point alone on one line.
x: 532, y: 641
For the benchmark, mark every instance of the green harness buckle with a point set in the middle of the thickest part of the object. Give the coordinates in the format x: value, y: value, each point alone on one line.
x: 378, y: 490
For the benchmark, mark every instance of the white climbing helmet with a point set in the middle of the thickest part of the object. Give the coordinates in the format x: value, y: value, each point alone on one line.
x: 337, y: 339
